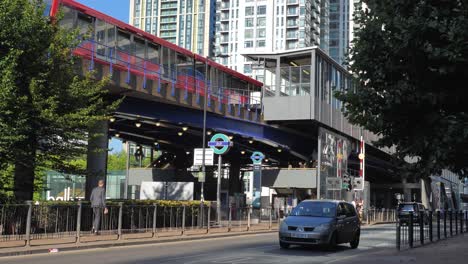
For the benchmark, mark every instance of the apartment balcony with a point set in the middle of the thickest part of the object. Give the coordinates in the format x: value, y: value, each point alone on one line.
x: 292, y: 14
x: 292, y: 36
x: 292, y: 2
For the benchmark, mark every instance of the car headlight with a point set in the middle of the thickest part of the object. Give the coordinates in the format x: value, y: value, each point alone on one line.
x: 283, y: 227
x: 322, y: 227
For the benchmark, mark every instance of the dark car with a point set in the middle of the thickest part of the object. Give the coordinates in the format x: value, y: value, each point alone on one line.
x: 321, y: 222
x: 418, y: 210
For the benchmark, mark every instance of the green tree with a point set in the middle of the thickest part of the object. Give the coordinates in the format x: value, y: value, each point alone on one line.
x: 117, y: 161
x: 410, y: 59
x: 46, y: 109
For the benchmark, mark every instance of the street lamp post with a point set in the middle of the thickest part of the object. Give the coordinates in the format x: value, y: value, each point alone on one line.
x: 205, y: 96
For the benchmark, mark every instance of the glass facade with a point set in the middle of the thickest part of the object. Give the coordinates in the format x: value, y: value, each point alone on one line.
x: 66, y: 187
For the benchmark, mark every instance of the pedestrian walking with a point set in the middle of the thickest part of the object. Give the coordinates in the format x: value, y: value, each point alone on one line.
x: 98, y: 203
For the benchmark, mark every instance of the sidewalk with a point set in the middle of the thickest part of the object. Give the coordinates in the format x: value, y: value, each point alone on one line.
x: 450, y: 251
x: 106, y: 241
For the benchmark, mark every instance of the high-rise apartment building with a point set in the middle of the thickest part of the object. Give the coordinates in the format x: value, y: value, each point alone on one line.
x: 340, y: 16
x: 265, y: 26
x: 186, y: 23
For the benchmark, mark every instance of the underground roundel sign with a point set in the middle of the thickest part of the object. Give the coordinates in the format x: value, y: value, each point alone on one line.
x: 220, y: 144
x: 257, y: 157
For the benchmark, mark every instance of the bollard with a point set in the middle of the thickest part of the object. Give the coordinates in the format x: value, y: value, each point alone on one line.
x: 451, y: 227
x: 28, y: 224
x: 445, y: 224
x: 183, y: 220
x: 155, y: 215
x: 270, y: 220
x: 248, y: 218
x: 421, y: 228
x: 410, y: 230
x: 398, y: 235
x: 438, y: 225
x: 466, y: 220
x: 208, y: 220
x: 461, y: 222
x: 230, y: 218
x: 119, y: 225
x: 78, y: 222
x: 430, y: 226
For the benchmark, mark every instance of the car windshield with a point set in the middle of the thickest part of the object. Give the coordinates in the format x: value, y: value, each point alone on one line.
x: 406, y: 207
x: 315, y: 209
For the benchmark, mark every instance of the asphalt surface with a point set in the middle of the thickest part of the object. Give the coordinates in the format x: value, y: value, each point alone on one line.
x: 255, y: 249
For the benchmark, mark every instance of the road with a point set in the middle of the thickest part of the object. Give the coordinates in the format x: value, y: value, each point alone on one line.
x: 256, y: 249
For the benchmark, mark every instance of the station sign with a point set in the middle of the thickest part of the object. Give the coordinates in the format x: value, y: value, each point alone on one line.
x: 220, y: 144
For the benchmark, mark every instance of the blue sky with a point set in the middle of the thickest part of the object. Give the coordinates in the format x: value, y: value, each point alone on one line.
x: 115, y: 8
x: 120, y: 10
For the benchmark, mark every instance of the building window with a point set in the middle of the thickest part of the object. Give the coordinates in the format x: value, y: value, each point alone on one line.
x: 261, y: 10
x: 260, y: 43
x: 248, y: 44
x: 248, y: 33
x: 261, y: 22
x: 247, y: 68
x: 249, y: 10
x: 261, y: 33
x: 249, y: 22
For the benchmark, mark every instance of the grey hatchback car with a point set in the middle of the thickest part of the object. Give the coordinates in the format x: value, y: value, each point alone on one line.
x: 321, y: 222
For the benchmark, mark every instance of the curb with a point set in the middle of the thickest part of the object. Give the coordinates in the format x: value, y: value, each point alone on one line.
x: 116, y: 243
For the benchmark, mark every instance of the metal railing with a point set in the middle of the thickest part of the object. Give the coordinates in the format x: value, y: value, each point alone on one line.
x: 374, y: 215
x: 33, y: 222
x: 414, y: 230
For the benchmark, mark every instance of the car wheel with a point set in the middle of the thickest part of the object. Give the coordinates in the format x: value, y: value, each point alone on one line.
x: 332, y: 243
x: 284, y: 245
x: 355, y: 242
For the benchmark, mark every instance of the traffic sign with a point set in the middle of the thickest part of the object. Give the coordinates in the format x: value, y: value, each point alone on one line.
x: 198, y: 157
x: 220, y: 144
x: 361, y: 156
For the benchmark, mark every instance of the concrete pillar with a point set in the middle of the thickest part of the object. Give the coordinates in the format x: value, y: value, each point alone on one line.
x: 96, y: 166
x: 426, y: 194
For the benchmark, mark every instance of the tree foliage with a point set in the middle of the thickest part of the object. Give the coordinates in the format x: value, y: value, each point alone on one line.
x: 46, y: 108
x: 410, y: 59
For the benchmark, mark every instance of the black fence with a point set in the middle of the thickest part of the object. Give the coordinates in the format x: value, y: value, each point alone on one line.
x: 28, y: 222
x: 416, y: 230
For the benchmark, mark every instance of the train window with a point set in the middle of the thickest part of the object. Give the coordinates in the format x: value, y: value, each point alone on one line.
x: 85, y: 25
x: 123, y: 41
x: 67, y: 22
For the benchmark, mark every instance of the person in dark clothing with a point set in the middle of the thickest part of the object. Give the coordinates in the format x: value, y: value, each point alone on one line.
x: 98, y: 203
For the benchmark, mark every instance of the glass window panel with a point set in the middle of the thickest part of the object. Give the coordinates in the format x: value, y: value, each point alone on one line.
x: 123, y: 41
x: 85, y: 25
x: 68, y: 18
x: 139, y: 45
x: 153, y: 53
x: 261, y: 10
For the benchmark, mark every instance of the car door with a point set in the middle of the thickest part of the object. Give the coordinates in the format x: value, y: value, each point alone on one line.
x: 351, y: 222
x: 341, y: 223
